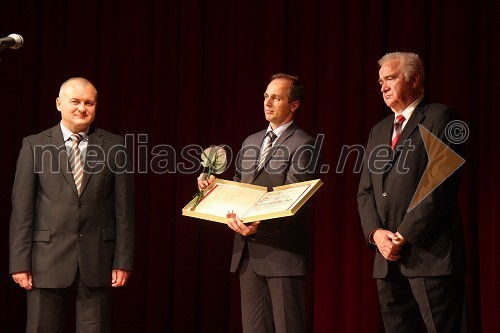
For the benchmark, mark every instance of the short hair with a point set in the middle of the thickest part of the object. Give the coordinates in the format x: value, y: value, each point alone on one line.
x: 296, y: 91
x: 83, y: 81
x: 410, y: 65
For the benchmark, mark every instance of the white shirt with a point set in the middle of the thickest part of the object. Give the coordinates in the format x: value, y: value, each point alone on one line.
x: 277, y: 131
x: 408, y: 111
x: 67, y: 140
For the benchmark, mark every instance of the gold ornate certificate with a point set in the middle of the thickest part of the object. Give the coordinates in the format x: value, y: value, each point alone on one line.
x: 250, y: 202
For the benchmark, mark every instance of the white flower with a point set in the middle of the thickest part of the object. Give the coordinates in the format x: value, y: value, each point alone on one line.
x: 214, y: 158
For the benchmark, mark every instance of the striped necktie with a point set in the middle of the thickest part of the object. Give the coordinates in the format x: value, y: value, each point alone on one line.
x: 398, y: 128
x: 75, y: 160
x: 271, y: 136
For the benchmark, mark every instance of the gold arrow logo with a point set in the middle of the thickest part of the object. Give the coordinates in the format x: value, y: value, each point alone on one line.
x: 443, y: 162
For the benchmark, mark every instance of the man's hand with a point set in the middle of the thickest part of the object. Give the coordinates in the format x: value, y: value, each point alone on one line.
x: 24, y: 279
x: 388, y: 244
x: 244, y: 229
x: 202, y: 183
x: 119, y: 277
x: 399, y: 240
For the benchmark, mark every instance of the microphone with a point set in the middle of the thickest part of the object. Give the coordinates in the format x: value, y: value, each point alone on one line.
x: 14, y: 41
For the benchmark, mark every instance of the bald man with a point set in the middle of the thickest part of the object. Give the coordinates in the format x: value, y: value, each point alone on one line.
x: 72, y: 222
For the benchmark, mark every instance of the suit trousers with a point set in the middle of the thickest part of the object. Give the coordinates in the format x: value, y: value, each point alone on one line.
x: 271, y: 304
x: 47, y: 308
x: 439, y: 300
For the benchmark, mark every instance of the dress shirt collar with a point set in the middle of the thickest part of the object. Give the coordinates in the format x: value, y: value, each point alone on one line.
x: 279, y: 130
x: 409, y: 110
x: 67, y: 133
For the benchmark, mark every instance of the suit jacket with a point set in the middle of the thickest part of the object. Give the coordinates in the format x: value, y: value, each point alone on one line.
x: 432, y: 229
x: 280, y: 246
x: 53, y: 231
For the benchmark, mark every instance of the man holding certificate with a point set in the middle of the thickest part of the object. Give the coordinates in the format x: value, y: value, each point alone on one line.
x: 271, y: 255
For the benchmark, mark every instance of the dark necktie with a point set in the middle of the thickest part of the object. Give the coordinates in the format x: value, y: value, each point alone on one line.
x: 271, y: 136
x: 75, y: 160
x: 398, y: 126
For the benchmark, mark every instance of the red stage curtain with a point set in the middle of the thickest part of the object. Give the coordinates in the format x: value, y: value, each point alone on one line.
x: 175, y: 73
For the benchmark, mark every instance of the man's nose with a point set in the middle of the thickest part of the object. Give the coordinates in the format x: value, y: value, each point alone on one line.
x: 268, y: 101
x: 81, y: 106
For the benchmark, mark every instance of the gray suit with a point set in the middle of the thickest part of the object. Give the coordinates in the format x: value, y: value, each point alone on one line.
x: 56, y: 234
x: 279, y: 249
x: 435, y: 245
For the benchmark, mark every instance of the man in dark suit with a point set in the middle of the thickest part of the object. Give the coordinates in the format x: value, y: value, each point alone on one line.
x: 271, y: 255
x: 72, y: 222
x: 419, y: 260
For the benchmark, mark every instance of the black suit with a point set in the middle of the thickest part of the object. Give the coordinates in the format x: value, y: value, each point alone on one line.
x: 433, y: 231
x: 279, y: 249
x: 63, y: 238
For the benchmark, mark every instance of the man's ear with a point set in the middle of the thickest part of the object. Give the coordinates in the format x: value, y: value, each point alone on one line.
x: 58, y: 104
x: 415, y: 80
x: 295, y: 106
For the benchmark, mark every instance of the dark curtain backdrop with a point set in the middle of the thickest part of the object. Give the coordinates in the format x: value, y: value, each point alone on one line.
x: 176, y: 73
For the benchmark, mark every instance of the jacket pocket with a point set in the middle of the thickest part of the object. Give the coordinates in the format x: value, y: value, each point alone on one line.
x: 109, y: 234
x: 41, y: 236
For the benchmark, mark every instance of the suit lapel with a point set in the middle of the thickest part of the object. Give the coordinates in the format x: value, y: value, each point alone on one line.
x: 415, y: 119
x: 93, y: 154
x: 258, y: 143
x: 386, y: 134
x: 55, y: 138
x: 383, y: 138
x: 285, y: 135
x: 412, y: 125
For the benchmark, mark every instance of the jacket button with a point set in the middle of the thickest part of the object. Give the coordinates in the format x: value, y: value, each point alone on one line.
x: 79, y: 236
x: 385, y: 194
x: 79, y: 205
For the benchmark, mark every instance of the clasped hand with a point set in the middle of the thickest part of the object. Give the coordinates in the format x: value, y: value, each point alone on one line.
x: 388, y: 243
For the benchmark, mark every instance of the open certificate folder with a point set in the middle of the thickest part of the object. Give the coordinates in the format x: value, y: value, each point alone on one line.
x: 250, y: 202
